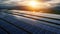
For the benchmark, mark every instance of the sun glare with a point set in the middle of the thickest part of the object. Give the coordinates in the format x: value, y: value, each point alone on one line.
x: 33, y: 4
x: 36, y: 5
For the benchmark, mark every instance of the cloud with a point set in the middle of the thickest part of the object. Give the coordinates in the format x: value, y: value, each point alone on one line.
x: 54, y: 2
x: 15, y: 2
x: 9, y: 2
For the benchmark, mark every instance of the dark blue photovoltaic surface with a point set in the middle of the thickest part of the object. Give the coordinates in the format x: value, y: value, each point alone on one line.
x: 10, y: 24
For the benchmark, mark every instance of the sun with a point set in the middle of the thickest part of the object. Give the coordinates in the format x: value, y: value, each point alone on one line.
x: 33, y: 3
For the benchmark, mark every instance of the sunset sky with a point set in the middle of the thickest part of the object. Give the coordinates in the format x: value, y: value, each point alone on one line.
x: 22, y: 2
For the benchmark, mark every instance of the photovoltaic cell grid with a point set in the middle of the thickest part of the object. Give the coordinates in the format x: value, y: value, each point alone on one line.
x: 10, y: 25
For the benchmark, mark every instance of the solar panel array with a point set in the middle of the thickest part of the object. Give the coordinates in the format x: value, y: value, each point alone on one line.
x: 23, y: 23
